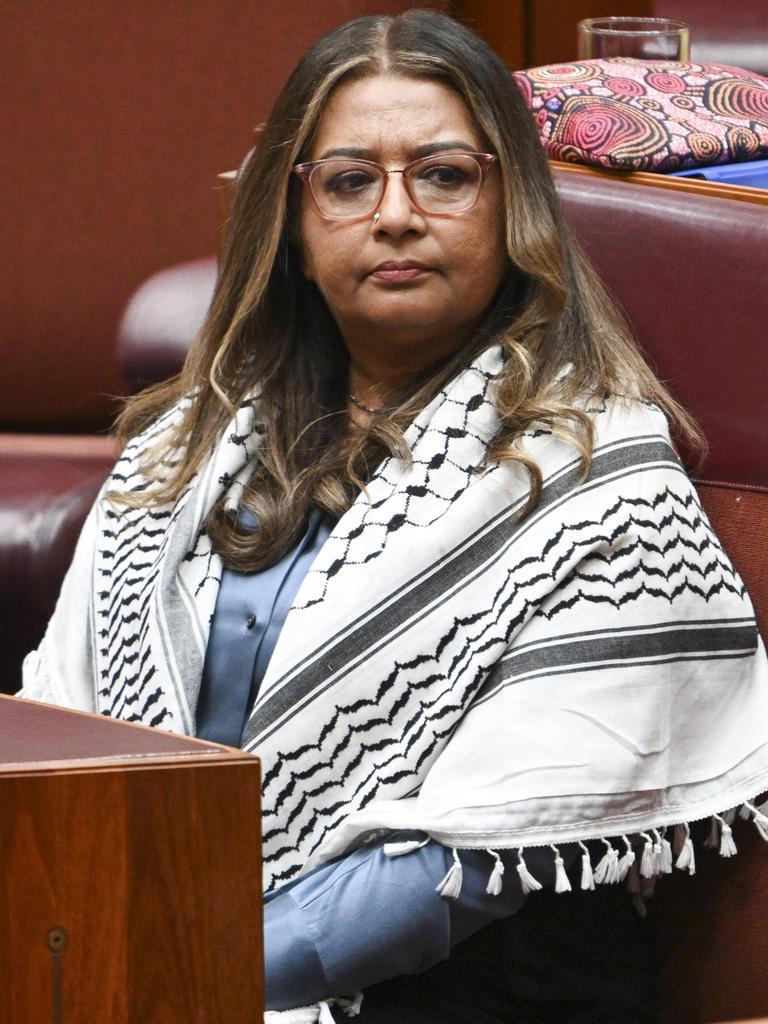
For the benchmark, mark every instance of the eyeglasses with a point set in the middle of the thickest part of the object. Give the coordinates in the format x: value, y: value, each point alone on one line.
x: 440, y: 186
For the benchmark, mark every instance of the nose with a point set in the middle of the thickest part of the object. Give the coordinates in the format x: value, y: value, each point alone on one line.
x: 397, y: 213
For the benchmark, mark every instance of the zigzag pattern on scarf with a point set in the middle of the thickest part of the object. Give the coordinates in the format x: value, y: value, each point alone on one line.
x: 127, y: 568
x: 446, y: 458
x: 472, y: 601
x: 380, y: 747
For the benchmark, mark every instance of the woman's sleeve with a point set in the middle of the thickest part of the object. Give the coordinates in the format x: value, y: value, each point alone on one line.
x: 368, y: 917
x: 60, y: 671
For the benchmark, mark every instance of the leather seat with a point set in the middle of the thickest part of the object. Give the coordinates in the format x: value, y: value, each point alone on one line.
x: 161, y: 320
x: 690, y: 272
x: 45, y: 495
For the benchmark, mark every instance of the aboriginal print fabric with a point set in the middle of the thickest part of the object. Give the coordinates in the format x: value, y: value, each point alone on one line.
x: 648, y: 115
x: 592, y: 671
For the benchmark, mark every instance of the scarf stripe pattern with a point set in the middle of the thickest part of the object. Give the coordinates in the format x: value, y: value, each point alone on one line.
x: 591, y: 671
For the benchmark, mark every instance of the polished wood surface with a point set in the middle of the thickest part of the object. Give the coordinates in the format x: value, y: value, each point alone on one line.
x: 130, y: 875
x: 698, y: 186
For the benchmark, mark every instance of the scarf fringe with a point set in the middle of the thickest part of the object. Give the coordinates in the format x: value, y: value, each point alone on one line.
x: 317, y: 1013
x: 658, y: 857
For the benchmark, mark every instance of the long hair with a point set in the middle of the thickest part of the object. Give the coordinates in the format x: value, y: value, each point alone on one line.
x: 269, y: 331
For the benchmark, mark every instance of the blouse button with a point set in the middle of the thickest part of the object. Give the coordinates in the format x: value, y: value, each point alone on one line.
x: 250, y: 622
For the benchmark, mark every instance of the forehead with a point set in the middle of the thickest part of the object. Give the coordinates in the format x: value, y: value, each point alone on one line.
x: 393, y: 114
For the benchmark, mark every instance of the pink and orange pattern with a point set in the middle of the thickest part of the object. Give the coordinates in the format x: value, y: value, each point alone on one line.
x: 648, y: 115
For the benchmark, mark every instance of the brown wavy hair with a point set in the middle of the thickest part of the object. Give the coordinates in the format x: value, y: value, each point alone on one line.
x: 269, y: 330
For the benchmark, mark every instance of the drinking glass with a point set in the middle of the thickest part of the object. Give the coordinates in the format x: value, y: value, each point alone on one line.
x: 643, y: 38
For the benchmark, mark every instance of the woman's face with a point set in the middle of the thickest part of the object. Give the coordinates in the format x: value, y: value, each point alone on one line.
x: 411, y: 285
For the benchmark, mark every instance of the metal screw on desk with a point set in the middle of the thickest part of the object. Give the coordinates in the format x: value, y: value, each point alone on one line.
x: 57, y: 939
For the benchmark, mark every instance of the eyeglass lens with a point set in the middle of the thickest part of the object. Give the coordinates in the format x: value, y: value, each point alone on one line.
x: 447, y: 183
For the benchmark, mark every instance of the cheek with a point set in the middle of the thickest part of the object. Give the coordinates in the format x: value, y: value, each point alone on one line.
x: 484, y: 260
x: 327, y: 252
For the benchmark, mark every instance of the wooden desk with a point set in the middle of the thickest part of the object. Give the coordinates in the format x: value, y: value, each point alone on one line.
x: 130, y: 874
x: 697, y: 186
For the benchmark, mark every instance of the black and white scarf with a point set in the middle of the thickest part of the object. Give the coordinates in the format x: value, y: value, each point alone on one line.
x: 590, y: 672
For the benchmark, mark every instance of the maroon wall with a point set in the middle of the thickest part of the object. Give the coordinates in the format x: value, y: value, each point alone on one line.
x: 117, y: 118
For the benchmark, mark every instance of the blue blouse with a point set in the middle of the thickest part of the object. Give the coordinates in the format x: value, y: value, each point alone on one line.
x: 250, y: 611
x: 366, y: 917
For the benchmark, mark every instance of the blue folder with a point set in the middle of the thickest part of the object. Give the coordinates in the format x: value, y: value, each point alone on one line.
x: 753, y: 173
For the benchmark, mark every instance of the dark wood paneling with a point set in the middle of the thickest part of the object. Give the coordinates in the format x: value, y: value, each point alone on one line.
x: 552, y: 24
x: 502, y: 24
x: 531, y: 32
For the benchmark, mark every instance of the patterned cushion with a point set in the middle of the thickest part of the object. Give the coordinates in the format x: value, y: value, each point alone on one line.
x: 648, y: 115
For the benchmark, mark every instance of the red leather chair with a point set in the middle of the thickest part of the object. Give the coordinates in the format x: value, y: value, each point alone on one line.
x: 690, y: 271
x: 47, y: 485
x: 161, y: 320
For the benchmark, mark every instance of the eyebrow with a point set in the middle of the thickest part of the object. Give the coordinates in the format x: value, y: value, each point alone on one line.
x: 427, y: 149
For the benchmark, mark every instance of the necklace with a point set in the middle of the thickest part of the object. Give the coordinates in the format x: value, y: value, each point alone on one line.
x: 362, y: 406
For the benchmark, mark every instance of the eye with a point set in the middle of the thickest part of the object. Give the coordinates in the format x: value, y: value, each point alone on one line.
x: 445, y: 175
x: 352, y: 180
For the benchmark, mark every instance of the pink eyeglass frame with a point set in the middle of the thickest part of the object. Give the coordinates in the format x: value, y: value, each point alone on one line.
x: 304, y: 171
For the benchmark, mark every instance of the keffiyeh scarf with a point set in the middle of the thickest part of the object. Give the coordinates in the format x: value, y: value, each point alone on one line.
x: 592, y: 672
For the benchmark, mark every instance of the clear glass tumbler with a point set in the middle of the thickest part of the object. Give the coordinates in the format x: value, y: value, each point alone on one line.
x: 643, y: 38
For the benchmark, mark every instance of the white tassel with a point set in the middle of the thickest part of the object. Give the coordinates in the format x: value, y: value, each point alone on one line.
x: 299, y: 1015
x: 587, y: 878
x: 325, y: 1016
x: 527, y: 882
x: 450, y: 887
x: 648, y: 860
x: 401, y: 849
x: 562, y: 882
x: 760, y: 820
x: 666, y: 854
x: 607, y: 870
x: 495, y: 881
x: 657, y: 852
x: 351, y: 1007
x: 686, y: 857
x: 626, y: 861
x: 727, y: 845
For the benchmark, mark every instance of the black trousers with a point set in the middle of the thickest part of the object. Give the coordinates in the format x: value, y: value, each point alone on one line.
x: 573, y: 958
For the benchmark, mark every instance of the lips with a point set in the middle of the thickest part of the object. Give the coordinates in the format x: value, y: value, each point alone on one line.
x: 399, y: 270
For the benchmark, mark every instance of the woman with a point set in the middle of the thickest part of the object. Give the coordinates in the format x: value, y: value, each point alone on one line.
x: 411, y: 527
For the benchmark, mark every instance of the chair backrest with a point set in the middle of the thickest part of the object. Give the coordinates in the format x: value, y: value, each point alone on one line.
x: 47, y: 486
x: 691, y: 273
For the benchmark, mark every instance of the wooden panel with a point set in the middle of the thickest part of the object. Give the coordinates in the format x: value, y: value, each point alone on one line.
x: 552, y: 25
x: 149, y: 866
x: 502, y: 24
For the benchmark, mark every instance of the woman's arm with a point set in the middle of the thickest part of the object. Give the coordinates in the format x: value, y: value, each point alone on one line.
x: 368, y: 917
